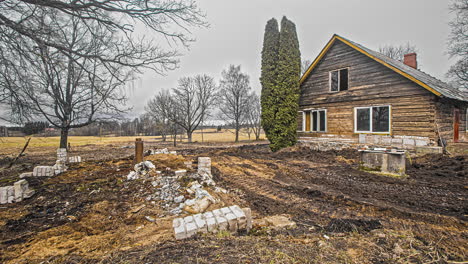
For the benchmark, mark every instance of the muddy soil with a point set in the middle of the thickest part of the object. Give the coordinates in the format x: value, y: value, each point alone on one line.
x: 343, y: 215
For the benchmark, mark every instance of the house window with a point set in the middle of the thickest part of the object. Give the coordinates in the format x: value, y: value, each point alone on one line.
x: 374, y: 119
x: 314, y: 120
x: 319, y: 120
x: 339, y: 80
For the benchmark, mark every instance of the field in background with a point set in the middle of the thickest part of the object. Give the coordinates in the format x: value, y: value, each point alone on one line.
x: 8, y: 144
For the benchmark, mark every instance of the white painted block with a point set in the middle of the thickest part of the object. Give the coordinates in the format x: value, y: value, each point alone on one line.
x: 240, y: 215
x: 191, y: 229
x: 179, y: 228
x: 201, y: 223
x: 10, y: 194
x: 232, y: 222
x: 3, y: 195
x: 222, y: 222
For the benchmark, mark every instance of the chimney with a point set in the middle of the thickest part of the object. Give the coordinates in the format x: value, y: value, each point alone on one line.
x: 410, y: 60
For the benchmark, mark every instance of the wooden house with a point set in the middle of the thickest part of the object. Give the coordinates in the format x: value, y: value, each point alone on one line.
x: 350, y: 90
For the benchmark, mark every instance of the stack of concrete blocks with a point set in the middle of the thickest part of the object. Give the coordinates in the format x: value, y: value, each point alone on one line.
x: 16, y: 193
x: 408, y: 142
x: 230, y: 219
x: 204, y: 170
x: 62, y: 159
x: 74, y: 159
x: 43, y: 171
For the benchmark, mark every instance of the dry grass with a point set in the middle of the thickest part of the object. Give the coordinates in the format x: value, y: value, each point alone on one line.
x: 14, y: 144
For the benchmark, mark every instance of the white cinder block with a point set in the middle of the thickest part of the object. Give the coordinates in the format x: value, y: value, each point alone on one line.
x: 232, y: 222
x: 201, y: 223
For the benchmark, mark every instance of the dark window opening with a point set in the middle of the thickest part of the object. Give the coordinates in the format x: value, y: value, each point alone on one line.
x: 363, y: 118
x: 314, y: 121
x: 339, y: 80
x: 380, y: 119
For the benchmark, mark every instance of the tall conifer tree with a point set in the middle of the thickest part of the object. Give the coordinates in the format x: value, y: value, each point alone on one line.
x: 281, y: 98
x: 268, y: 74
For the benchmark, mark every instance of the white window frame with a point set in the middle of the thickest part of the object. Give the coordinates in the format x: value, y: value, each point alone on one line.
x: 304, y: 121
x: 339, y: 80
x: 371, y: 119
x: 318, y: 121
x: 466, y: 120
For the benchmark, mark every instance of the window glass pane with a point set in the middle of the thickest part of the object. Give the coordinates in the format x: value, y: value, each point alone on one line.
x: 343, y: 79
x: 322, y: 120
x: 334, y: 81
x: 380, y: 119
x: 363, y: 119
x: 314, y: 121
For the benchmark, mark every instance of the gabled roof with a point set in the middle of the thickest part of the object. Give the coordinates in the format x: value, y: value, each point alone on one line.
x: 428, y: 82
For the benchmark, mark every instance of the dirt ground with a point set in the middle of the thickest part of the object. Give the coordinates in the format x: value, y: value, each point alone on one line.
x: 91, y: 214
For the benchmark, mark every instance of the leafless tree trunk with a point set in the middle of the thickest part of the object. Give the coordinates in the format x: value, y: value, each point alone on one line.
x: 234, y: 96
x: 68, y: 91
x: 159, y: 108
x: 254, y: 115
x: 193, y: 99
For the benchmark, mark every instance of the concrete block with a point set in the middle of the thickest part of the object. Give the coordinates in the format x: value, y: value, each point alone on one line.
x: 26, y: 174
x: 43, y: 171
x: 232, y: 222
x: 210, y: 221
x: 421, y: 142
x: 408, y: 141
x: 74, y: 159
x: 248, y: 217
x: 179, y: 228
x: 427, y: 150
x: 191, y: 229
x: 221, y: 222
x: 386, y: 140
x: 362, y: 138
x: 3, y: 195
x: 397, y: 141
x: 201, y: 223
x: 10, y: 194
x: 20, y: 187
x: 240, y: 215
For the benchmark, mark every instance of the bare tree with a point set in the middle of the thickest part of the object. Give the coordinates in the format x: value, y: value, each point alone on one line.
x: 397, y: 52
x: 36, y: 22
x: 79, y: 54
x: 234, y: 96
x: 159, y: 108
x: 305, y: 64
x: 68, y: 91
x: 254, y: 111
x: 458, y: 44
x: 193, y: 99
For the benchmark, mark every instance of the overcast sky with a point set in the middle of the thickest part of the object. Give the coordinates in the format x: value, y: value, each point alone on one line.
x: 236, y: 32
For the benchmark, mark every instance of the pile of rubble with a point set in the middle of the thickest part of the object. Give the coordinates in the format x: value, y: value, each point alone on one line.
x: 192, y: 197
x: 161, y: 151
x: 16, y: 193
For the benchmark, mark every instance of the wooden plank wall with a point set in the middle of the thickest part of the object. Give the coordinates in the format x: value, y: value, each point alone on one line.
x: 370, y: 84
x: 444, y: 118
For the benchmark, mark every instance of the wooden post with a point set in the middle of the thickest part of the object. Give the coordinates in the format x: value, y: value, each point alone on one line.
x: 138, y: 150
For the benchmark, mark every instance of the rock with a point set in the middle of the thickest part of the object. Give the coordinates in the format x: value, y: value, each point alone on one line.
x: 199, y: 205
x: 219, y: 189
x: 179, y: 199
x: 279, y: 221
x: 149, y: 218
x: 132, y: 176
x: 144, y: 167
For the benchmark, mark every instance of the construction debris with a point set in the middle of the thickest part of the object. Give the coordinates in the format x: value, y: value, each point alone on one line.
x: 204, y: 171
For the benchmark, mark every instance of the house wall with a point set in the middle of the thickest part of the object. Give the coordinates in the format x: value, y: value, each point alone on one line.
x: 445, y: 119
x: 370, y: 84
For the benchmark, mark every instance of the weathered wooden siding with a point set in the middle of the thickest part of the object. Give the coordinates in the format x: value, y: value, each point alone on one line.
x: 370, y: 83
x: 445, y: 119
